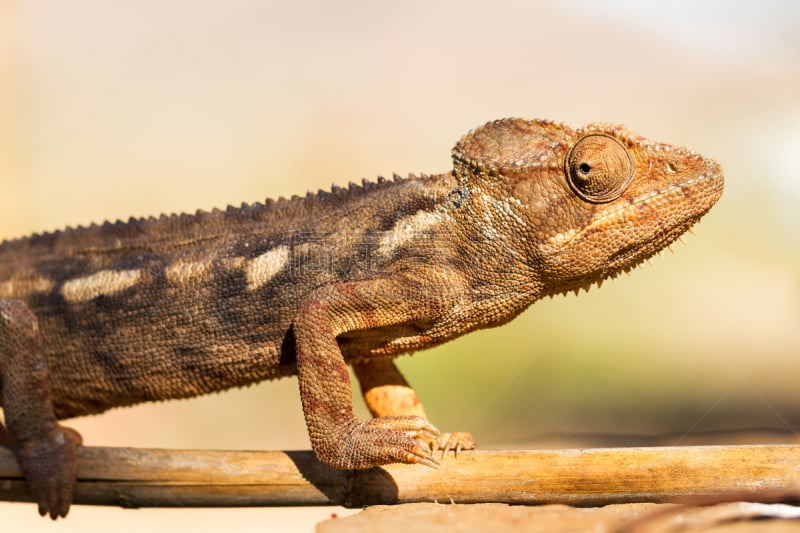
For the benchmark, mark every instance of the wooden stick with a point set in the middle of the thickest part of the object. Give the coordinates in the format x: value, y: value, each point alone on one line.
x: 130, y: 477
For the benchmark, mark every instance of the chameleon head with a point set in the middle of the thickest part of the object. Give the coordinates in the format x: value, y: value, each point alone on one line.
x: 587, y: 204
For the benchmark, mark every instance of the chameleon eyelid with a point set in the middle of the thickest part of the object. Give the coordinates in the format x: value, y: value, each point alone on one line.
x: 599, y: 168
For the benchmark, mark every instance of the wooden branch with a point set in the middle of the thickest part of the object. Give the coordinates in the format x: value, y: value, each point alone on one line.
x: 130, y: 477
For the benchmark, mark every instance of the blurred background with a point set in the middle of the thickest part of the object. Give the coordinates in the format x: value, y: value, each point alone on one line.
x: 139, y: 107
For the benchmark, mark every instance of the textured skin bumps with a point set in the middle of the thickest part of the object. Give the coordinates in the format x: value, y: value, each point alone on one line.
x: 176, y: 306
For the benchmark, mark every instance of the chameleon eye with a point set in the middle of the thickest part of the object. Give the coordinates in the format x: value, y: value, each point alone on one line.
x: 599, y: 168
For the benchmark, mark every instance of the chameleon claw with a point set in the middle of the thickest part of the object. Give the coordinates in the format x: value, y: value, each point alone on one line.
x: 430, y: 463
x: 455, y: 442
x: 50, y: 464
x: 422, y: 455
x: 456, y: 450
x: 429, y: 433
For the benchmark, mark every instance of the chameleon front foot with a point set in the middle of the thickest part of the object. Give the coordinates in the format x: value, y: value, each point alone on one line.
x: 379, y: 441
x: 455, y: 441
x: 50, y: 466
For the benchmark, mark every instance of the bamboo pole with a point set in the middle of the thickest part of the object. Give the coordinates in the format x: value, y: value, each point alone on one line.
x: 129, y: 477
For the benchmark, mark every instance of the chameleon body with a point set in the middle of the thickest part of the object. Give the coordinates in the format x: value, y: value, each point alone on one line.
x: 177, y: 306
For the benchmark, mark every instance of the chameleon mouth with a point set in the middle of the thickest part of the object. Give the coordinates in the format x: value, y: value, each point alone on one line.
x: 657, y: 200
x: 642, y: 221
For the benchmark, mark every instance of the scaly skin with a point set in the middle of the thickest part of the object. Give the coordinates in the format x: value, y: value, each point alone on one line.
x: 176, y: 306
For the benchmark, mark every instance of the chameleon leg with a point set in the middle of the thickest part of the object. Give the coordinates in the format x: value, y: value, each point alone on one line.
x: 387, y: 393
x: 385, y: 390
x: 46, y: 451
x: 337, y: 436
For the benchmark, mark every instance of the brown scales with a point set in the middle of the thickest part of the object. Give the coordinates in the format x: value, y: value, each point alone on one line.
x: 155, y: 308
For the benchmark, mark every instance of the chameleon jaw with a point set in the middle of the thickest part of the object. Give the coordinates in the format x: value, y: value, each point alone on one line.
x: 630, y: 264
x: 627, y: 212
x: 635, y: 220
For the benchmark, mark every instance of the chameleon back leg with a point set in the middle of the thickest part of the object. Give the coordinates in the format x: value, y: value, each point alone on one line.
x: 46, y: 451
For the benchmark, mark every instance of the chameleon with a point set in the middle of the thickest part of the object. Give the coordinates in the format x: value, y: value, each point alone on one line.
x: 176, y: 306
